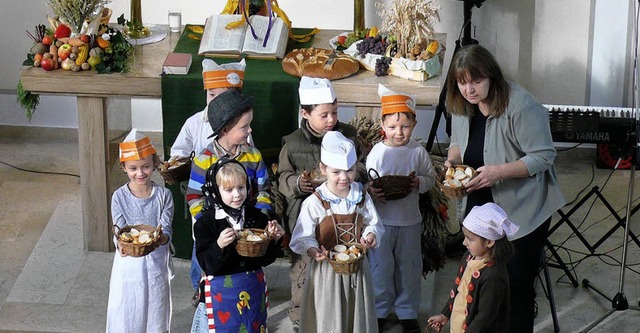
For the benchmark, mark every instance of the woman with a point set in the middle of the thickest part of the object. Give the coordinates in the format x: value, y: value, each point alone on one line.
x: 503, y: 132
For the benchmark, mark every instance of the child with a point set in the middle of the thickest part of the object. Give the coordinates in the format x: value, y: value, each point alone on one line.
x: 300, y: 155
x: 234, y: 295
x: 483, y: 277
x: 139, y: 291
x: 396, y: 265
x: 195, y: 133
x: 333, y: 302
x: 230, y: 116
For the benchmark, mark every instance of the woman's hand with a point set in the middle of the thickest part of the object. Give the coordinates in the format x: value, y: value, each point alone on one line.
x: 227, y: 236
x: 487, y: 176
x: 369, y: 241
x: 304, y: 182
x: 375, y: 193
x: 318, y: 254
x: 275, y: 230
x: 436, y: 322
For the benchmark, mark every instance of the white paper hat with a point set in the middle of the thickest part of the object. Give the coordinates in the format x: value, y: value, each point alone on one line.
x: 315, y: 91
x: 489, y: 221
x: 337, y: 151
x: 222, y: 76
x: 135, y: 147
x: 393, y: 102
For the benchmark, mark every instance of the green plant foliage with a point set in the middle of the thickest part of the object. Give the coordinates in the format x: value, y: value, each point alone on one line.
x: 28, y: 101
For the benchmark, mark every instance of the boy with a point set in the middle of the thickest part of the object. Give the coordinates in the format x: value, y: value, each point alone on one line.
x: 396, y: 265
x: 300, y: 154
x: 194, y: 134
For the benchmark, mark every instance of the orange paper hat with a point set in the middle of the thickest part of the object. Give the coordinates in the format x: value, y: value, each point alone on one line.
x: 393, y: 102
x: 135, y: 147
x: 222, y: 76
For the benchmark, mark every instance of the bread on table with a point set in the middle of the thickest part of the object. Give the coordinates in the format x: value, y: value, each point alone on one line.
x: 321, y: 63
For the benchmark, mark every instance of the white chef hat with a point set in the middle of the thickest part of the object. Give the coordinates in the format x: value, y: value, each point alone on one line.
x: 315, y: 90
x: 135, y: 147
x: 489, y: 221
x: 393, y: 102
x: 337, y: 151
x: 222, y: 76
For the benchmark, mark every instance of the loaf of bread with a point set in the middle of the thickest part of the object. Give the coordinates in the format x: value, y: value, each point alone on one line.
x: 322, y: 63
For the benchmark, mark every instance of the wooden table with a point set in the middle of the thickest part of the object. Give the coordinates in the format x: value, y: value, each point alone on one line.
x: 92, y: 89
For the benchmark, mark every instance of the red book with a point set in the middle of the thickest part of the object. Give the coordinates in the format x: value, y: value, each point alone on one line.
x: 177, y: 63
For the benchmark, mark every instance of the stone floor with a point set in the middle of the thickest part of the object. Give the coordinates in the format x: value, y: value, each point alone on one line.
x: 48, y: 283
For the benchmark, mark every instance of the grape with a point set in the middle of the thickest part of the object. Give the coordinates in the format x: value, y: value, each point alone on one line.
x: 373, y: 45
x: 382, y: 66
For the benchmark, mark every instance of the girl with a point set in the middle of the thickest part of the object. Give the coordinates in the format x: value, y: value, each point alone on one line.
x: 332, y: 302
x: 139, y: 291
x: 483, y: 277
x: 234, y: 292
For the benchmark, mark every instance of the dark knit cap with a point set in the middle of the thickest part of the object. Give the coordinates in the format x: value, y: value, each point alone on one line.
x: 226, y: 107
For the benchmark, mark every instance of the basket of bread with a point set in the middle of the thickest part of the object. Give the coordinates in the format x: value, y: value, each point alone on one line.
x: 138, y: 240
x: 452, y: 180
x: 252, y: 242
x: 346, y: 258
x: 394, y: 187
x: 176, y: 169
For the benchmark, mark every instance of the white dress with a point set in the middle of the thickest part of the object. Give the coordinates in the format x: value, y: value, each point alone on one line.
x: 140, y: 290
x: 332, y: 302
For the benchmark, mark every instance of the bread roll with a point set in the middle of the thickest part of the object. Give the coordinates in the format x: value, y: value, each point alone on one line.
x: 322, y: 63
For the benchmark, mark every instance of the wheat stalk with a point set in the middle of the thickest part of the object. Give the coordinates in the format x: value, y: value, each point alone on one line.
x: 410, y: 21
x: 75, y: 12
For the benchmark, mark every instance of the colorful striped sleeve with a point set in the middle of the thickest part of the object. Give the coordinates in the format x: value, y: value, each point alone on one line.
x: 199, y: 168
x: 257, y: 172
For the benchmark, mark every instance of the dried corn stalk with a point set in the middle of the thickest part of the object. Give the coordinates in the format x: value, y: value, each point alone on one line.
x: 369, y: 131
x: 75, y: 12
x: 409, y: 21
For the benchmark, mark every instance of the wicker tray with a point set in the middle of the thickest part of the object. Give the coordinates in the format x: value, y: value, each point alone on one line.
x: 394, y: 187
x: 352, y: 265
x: 248, y: 248
x: 133, y: 248
x: 453, y: 192
x: 178, y: 174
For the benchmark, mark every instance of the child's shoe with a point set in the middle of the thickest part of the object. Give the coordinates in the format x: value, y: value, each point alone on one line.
x: 381, y: 323
x: 410, y: 325
x: 195, y: 299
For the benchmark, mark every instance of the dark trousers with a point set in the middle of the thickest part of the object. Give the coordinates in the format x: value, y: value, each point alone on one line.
x: 523, y: 269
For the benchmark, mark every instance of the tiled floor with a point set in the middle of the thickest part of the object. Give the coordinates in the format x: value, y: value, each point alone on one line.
x: 49, y: 284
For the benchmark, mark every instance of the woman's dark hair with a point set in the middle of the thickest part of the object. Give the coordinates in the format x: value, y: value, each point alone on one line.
x: 502, y: 250
x: 474, y: 62
x: 311, y: 107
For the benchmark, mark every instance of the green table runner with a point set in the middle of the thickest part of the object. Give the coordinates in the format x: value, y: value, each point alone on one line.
x: 275, y: 114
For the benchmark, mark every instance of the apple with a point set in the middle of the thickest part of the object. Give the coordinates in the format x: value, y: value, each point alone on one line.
x: 84, y: 38
x: 47, y: 40
x: 64, y: 51
x: 46, y: 64
x: 62, y: 31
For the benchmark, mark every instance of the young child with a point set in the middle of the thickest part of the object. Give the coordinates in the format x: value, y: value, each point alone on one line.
x: 230, y: 116
x: 194, y: 134
x: 483, y: 278
x: 396, y: 265
x: 139, y: 291
x: 234, y: 295
x: 300, y: 155
x: 334, y: 302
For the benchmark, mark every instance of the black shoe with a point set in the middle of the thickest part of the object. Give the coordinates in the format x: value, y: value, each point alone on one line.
x: 381, y: 323
x: 410, y: 325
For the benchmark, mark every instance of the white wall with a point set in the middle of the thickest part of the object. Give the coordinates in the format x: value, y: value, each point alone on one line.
x: 557, y: 49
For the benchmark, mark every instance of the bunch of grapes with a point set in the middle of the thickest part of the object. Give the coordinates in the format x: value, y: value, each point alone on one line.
x: 373, y: 45
x: 382, y: 66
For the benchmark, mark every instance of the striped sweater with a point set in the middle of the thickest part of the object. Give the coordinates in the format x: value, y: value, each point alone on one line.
x: 250, y: 158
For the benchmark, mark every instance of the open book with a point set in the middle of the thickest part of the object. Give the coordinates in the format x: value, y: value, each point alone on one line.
x: 217, y: 40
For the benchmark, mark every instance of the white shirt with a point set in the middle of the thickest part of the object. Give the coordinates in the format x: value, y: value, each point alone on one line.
x: 402, y: 161
x: 193, y: 135
x: 312, y: 212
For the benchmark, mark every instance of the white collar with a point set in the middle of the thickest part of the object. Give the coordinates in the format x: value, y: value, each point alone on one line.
x: 235, y: 224
x: 353, y: 198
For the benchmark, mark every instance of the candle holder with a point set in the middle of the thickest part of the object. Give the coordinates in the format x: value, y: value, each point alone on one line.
x: 358, y: 16
x: 135, y: 29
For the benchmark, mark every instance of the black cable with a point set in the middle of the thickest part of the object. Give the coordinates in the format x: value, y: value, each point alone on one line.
x: 42, y: 172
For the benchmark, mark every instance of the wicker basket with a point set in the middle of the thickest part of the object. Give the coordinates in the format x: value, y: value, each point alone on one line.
x: 181, y: 173
x: 352, y: 265
x: 134, y: 249
x: 316, y: 178
x: 453, y: 192
x: 394, y: 187
x: 247, y: 248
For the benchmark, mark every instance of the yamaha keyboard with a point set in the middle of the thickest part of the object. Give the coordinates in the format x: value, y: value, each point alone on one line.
x: 592, y: 124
